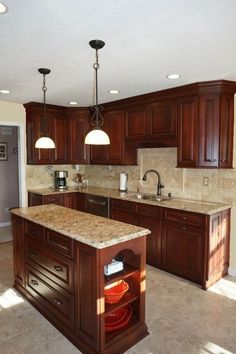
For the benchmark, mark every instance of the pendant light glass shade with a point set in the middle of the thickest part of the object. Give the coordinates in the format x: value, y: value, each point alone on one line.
x: 97, y: 136
x: 44, y: 142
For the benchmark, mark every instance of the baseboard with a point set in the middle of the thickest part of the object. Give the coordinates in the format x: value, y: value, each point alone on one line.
x: 4, y: 224
x: 232, y: 272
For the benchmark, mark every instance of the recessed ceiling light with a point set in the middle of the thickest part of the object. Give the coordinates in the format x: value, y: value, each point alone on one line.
x: 173, y: 76
x: 3, y: 8
x: 5, y: 91
x: 73, y: 103
x: 113, y: 92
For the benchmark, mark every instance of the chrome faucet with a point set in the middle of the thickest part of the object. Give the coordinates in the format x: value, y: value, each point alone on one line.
x: 159, y: 185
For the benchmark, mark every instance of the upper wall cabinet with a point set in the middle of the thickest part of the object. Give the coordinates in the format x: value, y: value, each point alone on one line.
x: 78, y: 127
x: 118, y: 152
x: 68, y: 128
x: 57, y: 124
x: 205, y: 126
x: 153, y: 123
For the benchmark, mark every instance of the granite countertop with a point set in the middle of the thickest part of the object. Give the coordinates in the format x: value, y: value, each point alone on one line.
x: 95, y: 231
x: 196, y: 206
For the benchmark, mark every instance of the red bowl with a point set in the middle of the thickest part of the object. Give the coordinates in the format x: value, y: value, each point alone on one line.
x: 116, y: 317
x: 125, y: 321
x: 114, y: 292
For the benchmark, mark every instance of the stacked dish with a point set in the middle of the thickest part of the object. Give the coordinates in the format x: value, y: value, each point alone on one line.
x: 118, y: 318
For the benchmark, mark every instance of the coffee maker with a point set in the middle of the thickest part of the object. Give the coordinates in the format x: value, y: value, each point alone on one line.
x: 60, y: 180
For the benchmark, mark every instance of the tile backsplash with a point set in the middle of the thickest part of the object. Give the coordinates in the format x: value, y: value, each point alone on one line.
x: 186, y: 183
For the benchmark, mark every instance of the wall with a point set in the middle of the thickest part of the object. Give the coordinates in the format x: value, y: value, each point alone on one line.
x: 13, y: 114
x: 9, y: 173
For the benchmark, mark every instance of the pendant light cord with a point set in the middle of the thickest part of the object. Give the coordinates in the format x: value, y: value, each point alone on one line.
x: 97, y: 119
x: 45, y: 122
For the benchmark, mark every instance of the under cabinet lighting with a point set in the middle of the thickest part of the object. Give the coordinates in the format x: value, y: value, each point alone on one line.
x: 73, y: 103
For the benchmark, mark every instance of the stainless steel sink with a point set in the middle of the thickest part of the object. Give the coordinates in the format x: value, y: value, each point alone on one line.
x: 152, y: 197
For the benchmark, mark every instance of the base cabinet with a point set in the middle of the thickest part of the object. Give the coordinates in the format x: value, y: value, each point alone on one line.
x: 64, y: 279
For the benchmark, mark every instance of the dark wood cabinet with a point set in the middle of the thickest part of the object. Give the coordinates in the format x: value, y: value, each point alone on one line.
x: 136, y: 123
x: 183, y: 250
x: 64, y: 279
x: 187, y: 132
x: 155, y: 123
x: 78, y: 127
x: 118, y: 152
x: 205, y: 126
x: 67, y: 199
x: 149, y: 217
x: 19, y: 250
x: 57, y: 125
x: 143, y: 215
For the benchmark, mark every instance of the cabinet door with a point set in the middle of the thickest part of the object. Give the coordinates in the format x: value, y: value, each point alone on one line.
x: 70, y: 200
x: 18, y: 247
x: 226, y: 130
x: 153, y: 240
x: 58, y: 129
x: 209, y: 115
x: 78, y: 127
x: 182, y: 251
x: 163, y: 120
x: 187, y: 132
x: 136, y: 123
x: 115, y: 131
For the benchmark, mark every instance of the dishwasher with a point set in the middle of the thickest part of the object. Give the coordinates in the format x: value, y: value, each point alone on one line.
x: 97, y: 205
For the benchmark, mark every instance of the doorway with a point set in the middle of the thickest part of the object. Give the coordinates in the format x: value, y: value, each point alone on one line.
x: 12, y: 174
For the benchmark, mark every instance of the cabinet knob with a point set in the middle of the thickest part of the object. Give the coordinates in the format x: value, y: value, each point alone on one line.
x: 184, y: 218
x: 58, y: 268
x: 184, y: 228
x: 34, y: 282
x: 57, y: 302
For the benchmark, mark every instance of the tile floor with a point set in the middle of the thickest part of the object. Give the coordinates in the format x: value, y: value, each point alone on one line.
x: 182, y: 318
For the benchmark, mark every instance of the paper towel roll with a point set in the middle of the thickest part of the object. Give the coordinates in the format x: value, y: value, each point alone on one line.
x: 123, y: 181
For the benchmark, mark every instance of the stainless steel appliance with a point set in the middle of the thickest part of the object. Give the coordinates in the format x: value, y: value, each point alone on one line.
x: 97, y: 205
x: 60, y: 180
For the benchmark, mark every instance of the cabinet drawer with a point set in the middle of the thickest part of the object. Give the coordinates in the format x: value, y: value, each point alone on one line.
x: 55, y: 199
x: 34, y: 231
x: 185, y: 217
x: 149, y: 210
x: 123, y: 205
x: 59, y: 243
x: 56, y: 303
x: 58, y: 269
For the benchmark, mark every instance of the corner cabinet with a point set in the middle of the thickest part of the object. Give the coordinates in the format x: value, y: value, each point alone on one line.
x: 57, y: 124
x: 196, y: 246
x: 205, y: 125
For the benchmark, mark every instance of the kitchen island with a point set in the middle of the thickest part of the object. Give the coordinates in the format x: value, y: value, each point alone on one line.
x: 59, y: 259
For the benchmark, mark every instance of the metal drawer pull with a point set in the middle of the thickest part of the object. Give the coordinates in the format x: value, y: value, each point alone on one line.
x: 185, y: 228
x: 92, y: 201
x: 33, y: 254
x: 57, y: 302
x: 34, y: 282
x: 58, y: 268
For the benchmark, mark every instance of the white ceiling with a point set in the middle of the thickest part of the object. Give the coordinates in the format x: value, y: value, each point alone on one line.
x: 145, y: 41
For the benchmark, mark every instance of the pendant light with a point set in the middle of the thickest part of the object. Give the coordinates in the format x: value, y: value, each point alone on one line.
x: 44, y: 142
x: 97, y: 136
